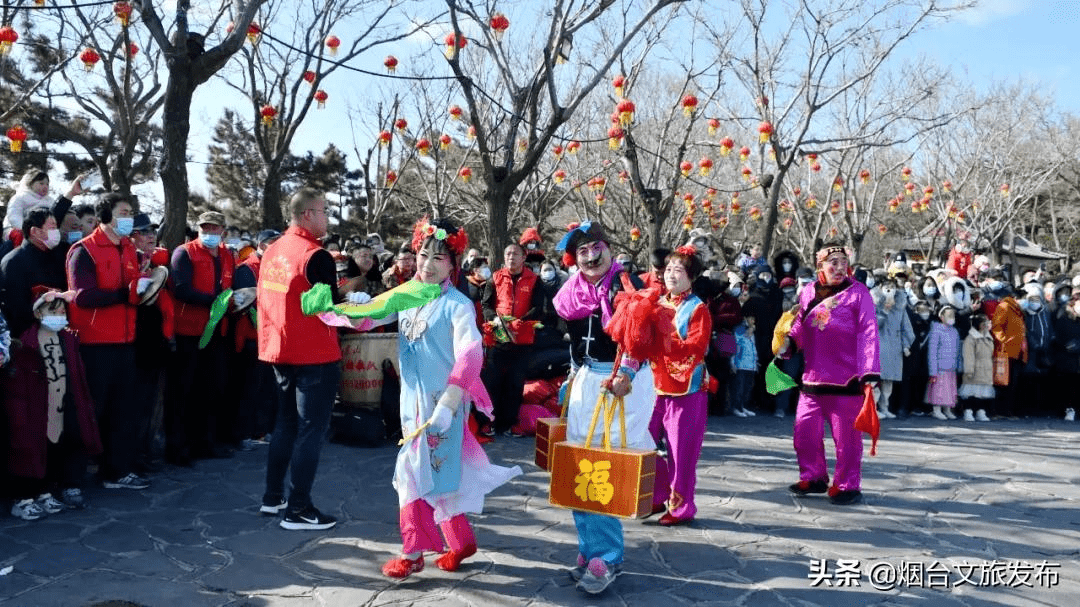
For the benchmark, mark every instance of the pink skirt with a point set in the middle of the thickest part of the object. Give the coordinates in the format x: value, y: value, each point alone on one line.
x: 942, y: 391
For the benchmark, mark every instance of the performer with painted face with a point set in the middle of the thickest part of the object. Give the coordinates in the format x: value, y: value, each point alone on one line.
x: 836, y: 329
x: 587, y: 302
x: 441, y: 471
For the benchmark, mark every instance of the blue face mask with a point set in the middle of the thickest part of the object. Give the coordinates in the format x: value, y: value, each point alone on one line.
x: 210, y: 241
x: 74, y: 237
x: 54, y: 323
x: 124, y: 225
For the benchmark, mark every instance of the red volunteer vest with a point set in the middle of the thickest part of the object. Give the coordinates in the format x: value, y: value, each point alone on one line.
x: 286, y: 335
x: 514, y: 299
x: 191, y: 318
x: 245, y: 329
x: 116, y: 266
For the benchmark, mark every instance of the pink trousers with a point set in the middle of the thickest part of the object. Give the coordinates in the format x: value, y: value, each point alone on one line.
x: 840, y: 411
x: 682, y: 420
x: 419, y: 534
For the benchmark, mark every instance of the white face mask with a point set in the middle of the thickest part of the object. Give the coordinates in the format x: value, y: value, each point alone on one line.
x: 924, y: 315
x: 52, y: 238
x: 736, y: 291
x: 485, y: 273
x: 949, y: 322
x: 547, y: 275
x: 786, y: 265
x: 54, y: 322
x: 930, y: 291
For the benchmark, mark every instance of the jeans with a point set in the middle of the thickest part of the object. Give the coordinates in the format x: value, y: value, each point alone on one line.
x: 742, y: 384
x: 306, y: 397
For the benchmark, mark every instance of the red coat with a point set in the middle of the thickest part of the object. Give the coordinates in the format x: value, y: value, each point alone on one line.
x: 959, y: 262
x: 191, y: 318
x: 514, y: 298
x: 681, y: 368
x: 286, y: 335
x: 25, y: 394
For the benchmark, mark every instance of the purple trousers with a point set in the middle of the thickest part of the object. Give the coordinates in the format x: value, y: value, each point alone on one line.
x: 810, y: 416
x: 418, y: 532
x: 682, y: 419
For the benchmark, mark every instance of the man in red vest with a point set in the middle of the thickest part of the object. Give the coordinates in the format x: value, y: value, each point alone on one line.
x: 512, y: 303
x: 253, y: 380
x: 103, y: 270
x: 195, y: 404
x: 306, y: 358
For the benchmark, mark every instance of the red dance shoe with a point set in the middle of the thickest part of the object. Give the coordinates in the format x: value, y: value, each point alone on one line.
x: 450, y: 560
x: 670, y: 520
x: 403, y: 567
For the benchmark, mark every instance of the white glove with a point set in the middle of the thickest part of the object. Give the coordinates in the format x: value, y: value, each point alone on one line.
x: 448, y: 404
x: 358, y: 297
x: 143, y: 285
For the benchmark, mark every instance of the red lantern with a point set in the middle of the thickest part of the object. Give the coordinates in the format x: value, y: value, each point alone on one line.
x: 755, y: 213
x: 689, y: 104
x: 833, y: 232
x: 600, y: 199
x: 401, y: 124
x: 834, y: 207
x: 747, y: 174
x: 864, y: 176
x: 946, y: 186
x: 444, y: 141
x: 763, y: 101
x: 499, y: 24
x: 894, y: 204
x: 309, y: 77
x: 122, y: 10
x: 454, y: 42
x: 811, y: 202
x: 726, y: 145
x: 735, y: 207
x: 1004, y: 189
x: 815, y: 166
x: 615, y: 137
x: 253, y: 32
x: 635, y: 234
x: 710, y: 193
x: 598, y: 183
x: 722, y: 222
x: 423, y: 146
x: 796, y: 191
x: 626, y: 111
x: 332, y: 43
x: 16, y: 135
x: 390, y: 63
x: 321, y: 97
x: 909, y: 188
x: 465, y: 173
x: 688, y: 223
x: 133, y: 49
x: 391, y: 177
x: 385, y: 137
x: 812, y: 157
x: 472, y: 131
x: 928, y: 191
x: 89, y: 57
x: 838, y: 183
x: 619, y: 82
x: 8, y: 37
x: 686, y: 166
x: 744, y: 153
x: 705, y: 165
x: 786, y: 206
x: 268, y: 113
x: 624, y: 176
x: 523, y: 144
x: 905, y: 173
x: 573, y: 147
x: 788, y: 221
x: 714, y: 124
x: 559, y: 176
x: 765, y: 132
x: 455, y: 112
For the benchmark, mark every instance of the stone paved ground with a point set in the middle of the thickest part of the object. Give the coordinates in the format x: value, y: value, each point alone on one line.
x: 937, y: 495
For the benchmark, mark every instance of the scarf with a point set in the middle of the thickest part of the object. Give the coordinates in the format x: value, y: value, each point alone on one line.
x: 579, y: 298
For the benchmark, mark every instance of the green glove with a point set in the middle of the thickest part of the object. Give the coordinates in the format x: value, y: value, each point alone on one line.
x: 411, y: 294
x: 776, y: 381
x: 217, y: 312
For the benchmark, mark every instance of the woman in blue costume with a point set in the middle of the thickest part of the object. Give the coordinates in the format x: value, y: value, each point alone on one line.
x: 441, y: 471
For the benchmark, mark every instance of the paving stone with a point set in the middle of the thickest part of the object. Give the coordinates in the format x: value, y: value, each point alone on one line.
x: 57, y: 559
x: 118, y: 538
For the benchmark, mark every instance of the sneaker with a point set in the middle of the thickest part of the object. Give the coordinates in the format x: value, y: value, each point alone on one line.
x: 980, y: 416
x: 73, y: 498
x: 597, y: 577
x: 248, y: 445
x: 968, y: 415
x: 779, y: 414
x: 938, y: 415
x: 131, y: 481
x: 949, y: 414
x: 885, y: 414
x: 273, y: 509
x: 579, y: 572
x: 1070, y: 415
x: 309, y: 518
x: 808, y: 487
x: 49, y: 504
x: 27, y: 510
x: 739, y: 413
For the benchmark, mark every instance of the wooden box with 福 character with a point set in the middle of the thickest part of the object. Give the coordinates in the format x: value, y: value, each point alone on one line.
x: 549, y: 431
x: 616, y: 481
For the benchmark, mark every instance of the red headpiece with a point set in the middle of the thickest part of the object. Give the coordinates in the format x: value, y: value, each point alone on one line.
x: 455, y: 238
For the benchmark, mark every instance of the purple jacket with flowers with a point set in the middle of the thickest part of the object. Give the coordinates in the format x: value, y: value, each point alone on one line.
x: 838, y: 336
x: 943, y: 351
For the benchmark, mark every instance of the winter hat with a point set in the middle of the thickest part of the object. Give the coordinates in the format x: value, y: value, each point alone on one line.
x: 788, y: 282
x: 1033, y: 290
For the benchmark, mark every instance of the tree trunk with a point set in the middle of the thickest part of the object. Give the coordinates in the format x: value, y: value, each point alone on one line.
x: 272, y: 217
x: 499, y: 197
x: 772, y: 211
x: 174, y: 178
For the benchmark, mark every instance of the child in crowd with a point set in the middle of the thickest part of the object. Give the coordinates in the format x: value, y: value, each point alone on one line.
x: 50, y: 414
x: 744, y: 367
x: 977, y: 392
x: 944, y: 359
